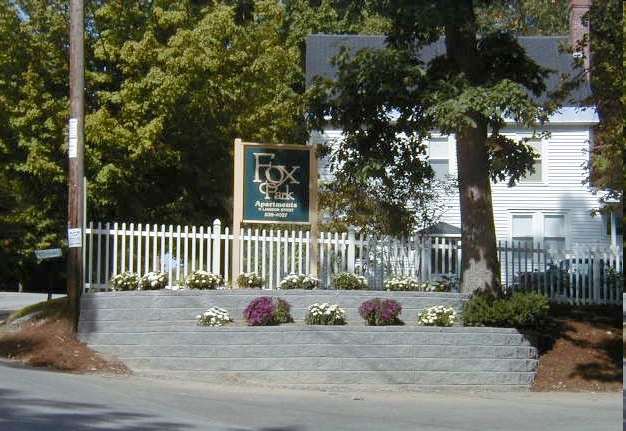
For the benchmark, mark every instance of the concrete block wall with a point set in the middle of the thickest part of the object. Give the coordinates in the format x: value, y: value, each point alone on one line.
x: 183, y: 305
x: 153, y: 333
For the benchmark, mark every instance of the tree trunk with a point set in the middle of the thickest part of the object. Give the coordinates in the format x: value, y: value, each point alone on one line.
x: 480, y: 268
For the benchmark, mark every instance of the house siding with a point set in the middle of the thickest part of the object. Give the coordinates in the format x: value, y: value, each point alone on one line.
x: 562, y: 191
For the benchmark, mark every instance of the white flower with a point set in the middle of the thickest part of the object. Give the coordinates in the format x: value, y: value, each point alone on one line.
x: 214, y: 316
x: 437, y: 315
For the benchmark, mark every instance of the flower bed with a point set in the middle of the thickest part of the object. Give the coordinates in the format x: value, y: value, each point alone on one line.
x: 325, y: 314
x: 203, y: 280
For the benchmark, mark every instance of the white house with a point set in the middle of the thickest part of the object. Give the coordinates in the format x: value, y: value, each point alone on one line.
x: 553, y: 206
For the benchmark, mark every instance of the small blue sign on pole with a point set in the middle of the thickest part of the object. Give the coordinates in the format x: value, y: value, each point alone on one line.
x: 49, y: 253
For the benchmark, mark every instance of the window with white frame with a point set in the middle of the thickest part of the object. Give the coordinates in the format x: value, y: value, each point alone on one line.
x: 554, y: 231
x: 546, y: 230
x: 439, y: 156
x: 522, y: 230
x: 538, y: 163
x: 614, y: 228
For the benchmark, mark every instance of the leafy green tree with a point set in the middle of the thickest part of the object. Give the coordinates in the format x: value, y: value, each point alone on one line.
x: 170, y: 84
x: 33, y: 106
x: 387, y: 102
x: 607, y: 81
x: 174, y: 95
x: 523, y: 18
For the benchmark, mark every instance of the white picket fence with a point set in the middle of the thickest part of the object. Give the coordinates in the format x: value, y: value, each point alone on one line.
x: 112, y: 248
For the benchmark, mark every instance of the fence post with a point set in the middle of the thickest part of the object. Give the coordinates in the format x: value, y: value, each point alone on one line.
x: 596, y: 280
x: 216, y: 255
x: 351, y: 251
x: 425, y: 250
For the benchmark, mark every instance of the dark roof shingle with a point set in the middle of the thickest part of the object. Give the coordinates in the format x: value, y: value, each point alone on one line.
x: 544, y: 50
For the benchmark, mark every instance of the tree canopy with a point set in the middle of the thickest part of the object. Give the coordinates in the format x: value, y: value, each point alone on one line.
x: 169, y: 85
x: 387, y: 102
x: 171, y: 100
x: 606, y: 73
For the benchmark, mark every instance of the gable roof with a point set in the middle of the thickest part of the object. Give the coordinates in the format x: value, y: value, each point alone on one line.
x: 544, y: 50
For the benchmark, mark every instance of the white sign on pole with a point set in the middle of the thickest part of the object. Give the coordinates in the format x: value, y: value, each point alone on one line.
x: 74, y: 237
x: 73, y: 138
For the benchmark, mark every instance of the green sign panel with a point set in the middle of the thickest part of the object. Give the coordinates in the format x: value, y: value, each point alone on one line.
x: 276, y: 184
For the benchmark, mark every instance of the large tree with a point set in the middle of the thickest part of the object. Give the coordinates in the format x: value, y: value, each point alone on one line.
x: 607, y: 79
x: 33, y: 106
x: 175, y: 84
x: 389, y: 101
x: 170, y: 84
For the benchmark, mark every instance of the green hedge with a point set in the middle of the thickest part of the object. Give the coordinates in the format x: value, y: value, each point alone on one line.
x: 522, y: 309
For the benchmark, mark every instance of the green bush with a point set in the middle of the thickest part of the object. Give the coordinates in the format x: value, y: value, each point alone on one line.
x: 349, y: 281
x: 201, y: 279
x: 125, y: 281
x: 522, y: 309
x: 398, y: 282
x: 250, y: 280
x: 153, y: 281
x: 299, y: 281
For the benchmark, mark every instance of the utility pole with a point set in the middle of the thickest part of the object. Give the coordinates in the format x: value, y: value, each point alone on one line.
x: 76, y: 163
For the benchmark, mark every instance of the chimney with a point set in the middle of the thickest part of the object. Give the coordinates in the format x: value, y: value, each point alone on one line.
x: 578, y: 28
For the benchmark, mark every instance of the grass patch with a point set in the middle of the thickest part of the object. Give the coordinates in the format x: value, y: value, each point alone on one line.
x: 55, y: 308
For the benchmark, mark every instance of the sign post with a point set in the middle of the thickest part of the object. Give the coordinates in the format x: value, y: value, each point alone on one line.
x: 274, y: 184
x: 76, y: 168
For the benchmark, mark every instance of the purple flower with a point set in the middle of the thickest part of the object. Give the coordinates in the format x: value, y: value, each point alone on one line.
x: 266, y: 310
x: 381, y: 312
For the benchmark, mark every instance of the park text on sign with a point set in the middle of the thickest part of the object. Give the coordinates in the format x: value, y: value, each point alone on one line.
x: 276, y: 184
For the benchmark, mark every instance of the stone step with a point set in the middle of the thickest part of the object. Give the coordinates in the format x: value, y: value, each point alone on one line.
x: 349, y: 380
x: 229, y: 352
x: 322, y: 363
x: 183, y: 305
x: 306, y: 335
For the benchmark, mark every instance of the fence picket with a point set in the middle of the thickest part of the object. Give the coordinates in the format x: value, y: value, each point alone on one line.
x: 578, y: 276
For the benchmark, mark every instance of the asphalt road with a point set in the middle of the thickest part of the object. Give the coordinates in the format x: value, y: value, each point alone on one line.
x: 40, y: 400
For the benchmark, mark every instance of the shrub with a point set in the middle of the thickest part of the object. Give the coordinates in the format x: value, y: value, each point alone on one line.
x: 214, y: 316
x: 265, y: 310
x: 325, y: 314
x: 408, y: 283
x: 283, y: 314
x: 436, y: 316
x: 153, y: 281
x: 349, y: 281
x: 299, y: 281
x: 521, y: 309
x: 378, y: 312
x: 250, y: 279
x: 444, y: 284
x: 401, y: 282
x: 124, y: 281
x: 200, y: 279
x: 614, y: 279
